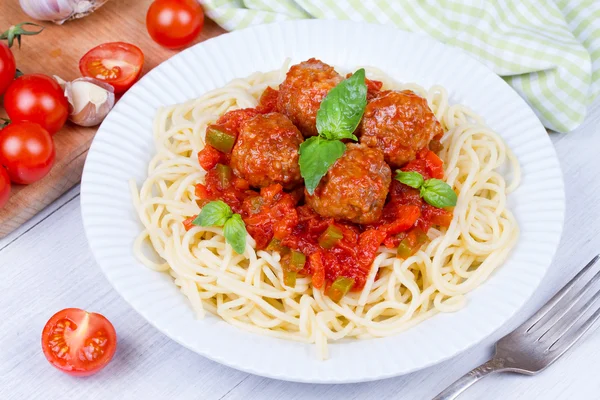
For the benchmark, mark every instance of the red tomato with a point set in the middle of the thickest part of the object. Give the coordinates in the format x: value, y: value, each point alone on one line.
x: 187, y: 223
x: 208, y: 157
x: 37, y: 98
x: 27, y: 151
x: 118, y: 64
x: 435, y: 165
x: 4, y: 187
x: 77, y: 342
x: 268, y: 101
x: 174, y: 23
x: 316, y: 264
x: 8, y: 67
x: 202, y: 192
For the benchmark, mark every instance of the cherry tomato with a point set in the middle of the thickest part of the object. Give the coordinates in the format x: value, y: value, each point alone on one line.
x: 8, y: 67
x: 27, y: 152
x: 118, y: 64
x: 4, y: 187
x: 174, y: 23
x: 37, y: 98
x: 77, y: 342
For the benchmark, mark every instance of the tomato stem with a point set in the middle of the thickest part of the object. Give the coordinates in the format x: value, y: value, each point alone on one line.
x: 16, y: 31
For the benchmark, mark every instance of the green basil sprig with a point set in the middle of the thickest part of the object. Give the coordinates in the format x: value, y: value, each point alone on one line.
x: 218, y: 213
x: 410, y: 178
x: 339, y: 114
x: 316, y: 156
x: 434, y: 191
x: 341, y: 110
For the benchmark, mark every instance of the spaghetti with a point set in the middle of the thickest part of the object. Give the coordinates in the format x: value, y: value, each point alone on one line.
x: 247, y: 291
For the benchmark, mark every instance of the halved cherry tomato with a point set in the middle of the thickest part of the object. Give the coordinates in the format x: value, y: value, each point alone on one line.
x: 77, y: 342
x: 174, y: 23
x: 118, y: 64
x: 8, y: 67
x: 27, y: 152
x: 4, y: 187
x: 37, y: 98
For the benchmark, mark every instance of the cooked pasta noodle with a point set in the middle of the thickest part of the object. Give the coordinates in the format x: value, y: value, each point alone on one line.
x: 247, y: 291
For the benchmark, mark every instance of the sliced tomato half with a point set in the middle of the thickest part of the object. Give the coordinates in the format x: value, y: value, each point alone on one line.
x: 78, y: 342
x: 118, y: 64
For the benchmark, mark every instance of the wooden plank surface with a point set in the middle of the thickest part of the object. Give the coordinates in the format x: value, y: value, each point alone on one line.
x: 56, y: 51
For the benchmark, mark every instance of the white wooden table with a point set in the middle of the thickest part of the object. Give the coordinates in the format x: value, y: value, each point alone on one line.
x: 46, y: 266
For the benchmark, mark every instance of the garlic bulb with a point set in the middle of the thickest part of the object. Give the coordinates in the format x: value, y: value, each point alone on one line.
x: 59, y: 11
x: 90, y: 100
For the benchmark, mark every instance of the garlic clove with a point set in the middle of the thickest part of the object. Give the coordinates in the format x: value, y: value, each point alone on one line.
x: 59, y: 11
x: 90, y: 100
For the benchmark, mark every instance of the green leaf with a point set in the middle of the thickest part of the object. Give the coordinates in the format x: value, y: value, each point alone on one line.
x: 215, y: 213
x: 235, y: 233
x: 343, y: 107
x: 438, y: 193
x: 316, y: 156
x: 410, y: 178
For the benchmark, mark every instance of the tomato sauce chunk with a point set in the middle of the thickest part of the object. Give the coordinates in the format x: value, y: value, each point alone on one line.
x: 268, y: 101
x: 337, y: 252
x: 271, y: 214
x: 233, y: 120
x: 208, y: 157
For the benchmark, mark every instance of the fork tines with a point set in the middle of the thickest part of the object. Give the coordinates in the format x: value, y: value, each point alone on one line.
x: 559, y: 323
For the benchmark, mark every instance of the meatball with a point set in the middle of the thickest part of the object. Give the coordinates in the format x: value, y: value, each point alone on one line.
x: 302, y: 91
x: 355, y: 187
x: 266, y: 151
x: 400, y: 124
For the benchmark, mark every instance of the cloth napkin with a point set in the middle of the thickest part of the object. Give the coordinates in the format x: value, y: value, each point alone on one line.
x: 547, y: 50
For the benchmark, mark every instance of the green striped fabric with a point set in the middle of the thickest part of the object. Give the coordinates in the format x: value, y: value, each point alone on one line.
x: 547, y: 50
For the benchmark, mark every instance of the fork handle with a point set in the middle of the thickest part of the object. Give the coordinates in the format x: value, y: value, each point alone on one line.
x: 489, y: 367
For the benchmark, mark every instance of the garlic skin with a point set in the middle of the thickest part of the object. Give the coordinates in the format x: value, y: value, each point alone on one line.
x: 90, y: 100
x: 59, y: 11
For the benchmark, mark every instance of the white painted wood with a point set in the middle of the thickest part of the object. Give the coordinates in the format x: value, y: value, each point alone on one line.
x: 70, y: 195
x: 47, y: 266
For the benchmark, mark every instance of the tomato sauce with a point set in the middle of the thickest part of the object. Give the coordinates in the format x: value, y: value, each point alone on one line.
x: 268, y: 101
x: 274, y: 213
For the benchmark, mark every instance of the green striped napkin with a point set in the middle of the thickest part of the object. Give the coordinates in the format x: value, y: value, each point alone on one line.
x: 547, y: 50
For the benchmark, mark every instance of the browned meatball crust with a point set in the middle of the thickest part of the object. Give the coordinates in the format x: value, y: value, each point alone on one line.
x: 355, y: 187
x: 266, y: 151
x: 400, y: 124
x: 300, y: 95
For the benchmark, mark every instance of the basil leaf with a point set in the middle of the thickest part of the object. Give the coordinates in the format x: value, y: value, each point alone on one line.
x: 215, y: 213
x: 410, y: 178
x: 316, y: 156
x: 343, y: 107
x: 235, y: 233
x: 438, y: 193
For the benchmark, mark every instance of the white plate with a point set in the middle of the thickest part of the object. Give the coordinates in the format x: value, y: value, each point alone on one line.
x: 123, y: 147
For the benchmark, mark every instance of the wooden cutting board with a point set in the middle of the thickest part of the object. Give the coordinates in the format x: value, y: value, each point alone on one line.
x: 56, y: 51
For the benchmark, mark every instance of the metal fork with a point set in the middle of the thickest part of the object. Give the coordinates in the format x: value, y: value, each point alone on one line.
x: 543, y: 338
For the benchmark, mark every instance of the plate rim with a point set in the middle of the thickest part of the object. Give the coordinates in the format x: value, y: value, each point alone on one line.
x: 265, y: 372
